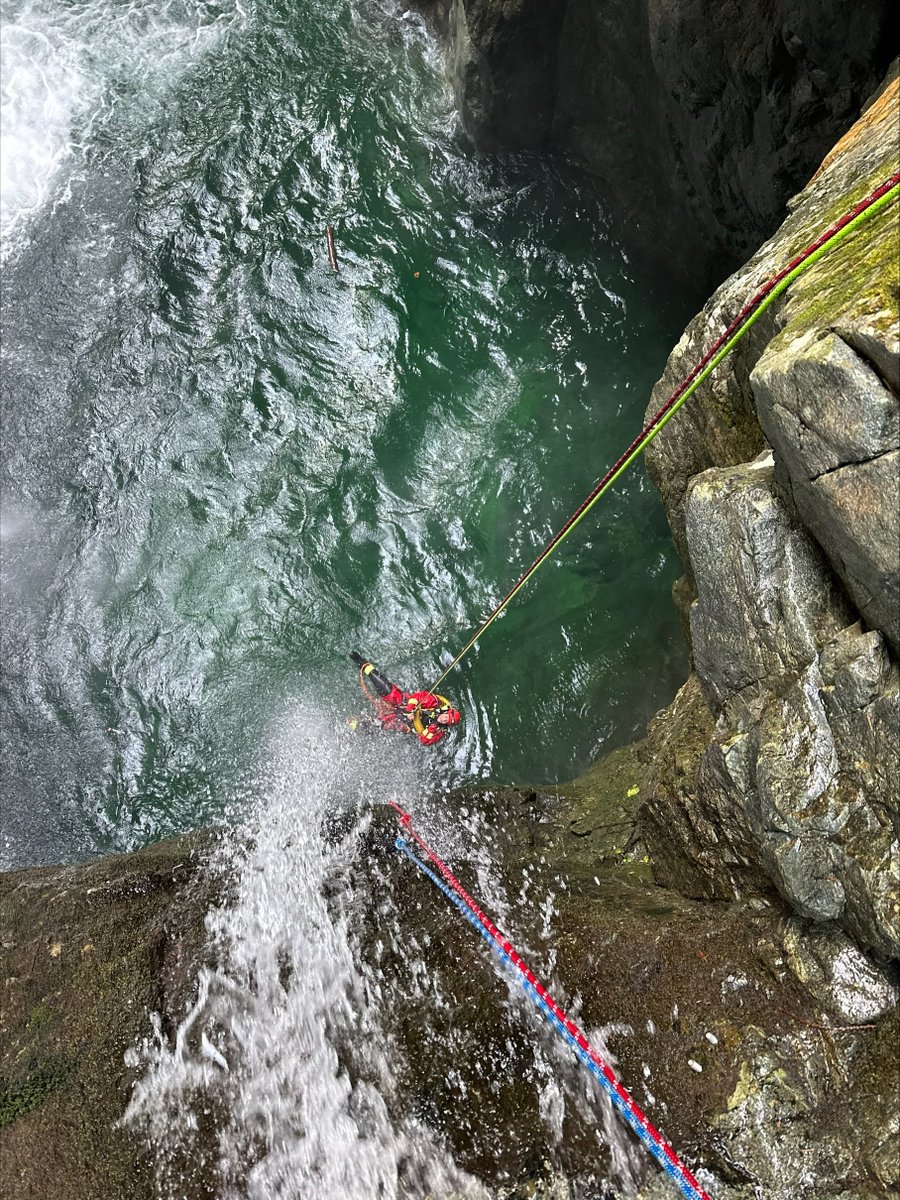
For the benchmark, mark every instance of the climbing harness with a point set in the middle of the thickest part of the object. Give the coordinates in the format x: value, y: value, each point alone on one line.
x: 443, y: 705
x: 551, y: 1011
x: 752, y: 311
x: 417, y: 713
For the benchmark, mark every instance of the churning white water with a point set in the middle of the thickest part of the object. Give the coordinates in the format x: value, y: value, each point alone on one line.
x: 74, y: 76
x: 267, y: 1044
x: 279, y: 1081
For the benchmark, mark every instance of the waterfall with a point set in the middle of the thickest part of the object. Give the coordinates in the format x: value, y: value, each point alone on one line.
x: 282, y: 1045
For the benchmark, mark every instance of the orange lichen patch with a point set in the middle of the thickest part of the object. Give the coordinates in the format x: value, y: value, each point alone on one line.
x: 885, y: 108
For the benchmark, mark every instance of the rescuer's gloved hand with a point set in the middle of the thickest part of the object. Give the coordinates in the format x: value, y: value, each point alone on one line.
x: 357, y: 658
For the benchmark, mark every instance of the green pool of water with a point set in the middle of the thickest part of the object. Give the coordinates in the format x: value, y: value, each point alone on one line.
x: 226, y: 466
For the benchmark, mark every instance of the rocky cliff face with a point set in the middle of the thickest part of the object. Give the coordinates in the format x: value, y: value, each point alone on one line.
x: 750, y: 994
x: 699, y: 120
x: 773, y: 776
x: 781, y: 478
x: 782, y: 488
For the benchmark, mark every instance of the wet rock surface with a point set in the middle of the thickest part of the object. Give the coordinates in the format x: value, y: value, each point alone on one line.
x: 743, y: 1031
x: 699, y: 122
x: 88, y: 952
x: 760, y: 1044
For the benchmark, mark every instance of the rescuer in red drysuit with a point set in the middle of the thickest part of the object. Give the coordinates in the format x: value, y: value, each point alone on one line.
x: 423, y: 713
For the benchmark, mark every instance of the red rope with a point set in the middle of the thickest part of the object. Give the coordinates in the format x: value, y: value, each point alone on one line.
x: 503, y: 942
x: 670, y: 403
x: 711, y: 352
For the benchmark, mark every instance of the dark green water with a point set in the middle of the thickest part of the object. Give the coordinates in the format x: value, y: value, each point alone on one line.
x: 225, y: 467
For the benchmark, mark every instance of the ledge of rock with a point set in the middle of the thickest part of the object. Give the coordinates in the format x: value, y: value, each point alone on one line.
x: 88, y: 952
x: 761, y: 1042
x: 792, y: 779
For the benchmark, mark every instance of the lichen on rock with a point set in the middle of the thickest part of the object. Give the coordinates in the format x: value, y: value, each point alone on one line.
x: 790, y: 556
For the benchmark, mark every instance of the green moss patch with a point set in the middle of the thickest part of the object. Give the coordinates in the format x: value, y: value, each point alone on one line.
x: 858, y: 275
x: 44, y: 1076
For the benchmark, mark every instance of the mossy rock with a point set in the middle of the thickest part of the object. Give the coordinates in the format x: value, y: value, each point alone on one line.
x: 88, y: 952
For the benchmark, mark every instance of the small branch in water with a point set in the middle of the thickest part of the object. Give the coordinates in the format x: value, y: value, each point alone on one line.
x: 332, y: 252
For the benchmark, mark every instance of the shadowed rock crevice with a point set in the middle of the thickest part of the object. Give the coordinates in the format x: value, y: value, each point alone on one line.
x: 700, y: 123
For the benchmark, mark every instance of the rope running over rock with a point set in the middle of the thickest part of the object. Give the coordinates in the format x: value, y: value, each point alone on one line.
x: 751, y: 312
x: 624, y: 1105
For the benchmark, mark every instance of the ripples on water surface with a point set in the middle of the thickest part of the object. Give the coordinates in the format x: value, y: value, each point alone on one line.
x: 225, y: 467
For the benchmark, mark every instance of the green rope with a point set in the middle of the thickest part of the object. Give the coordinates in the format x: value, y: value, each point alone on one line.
x: 642, y: 445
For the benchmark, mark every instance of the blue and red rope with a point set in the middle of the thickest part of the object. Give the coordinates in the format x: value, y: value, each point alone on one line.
x: 623, y: 1103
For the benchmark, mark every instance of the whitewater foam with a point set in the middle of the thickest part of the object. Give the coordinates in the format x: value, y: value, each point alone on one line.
x: 263, y: 1053
x: 73, y: 71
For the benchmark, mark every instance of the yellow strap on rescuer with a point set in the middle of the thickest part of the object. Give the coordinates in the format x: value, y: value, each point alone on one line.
x: 418, y: 724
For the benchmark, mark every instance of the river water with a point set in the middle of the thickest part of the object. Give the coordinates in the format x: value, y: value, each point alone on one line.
x: 225, y: 466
